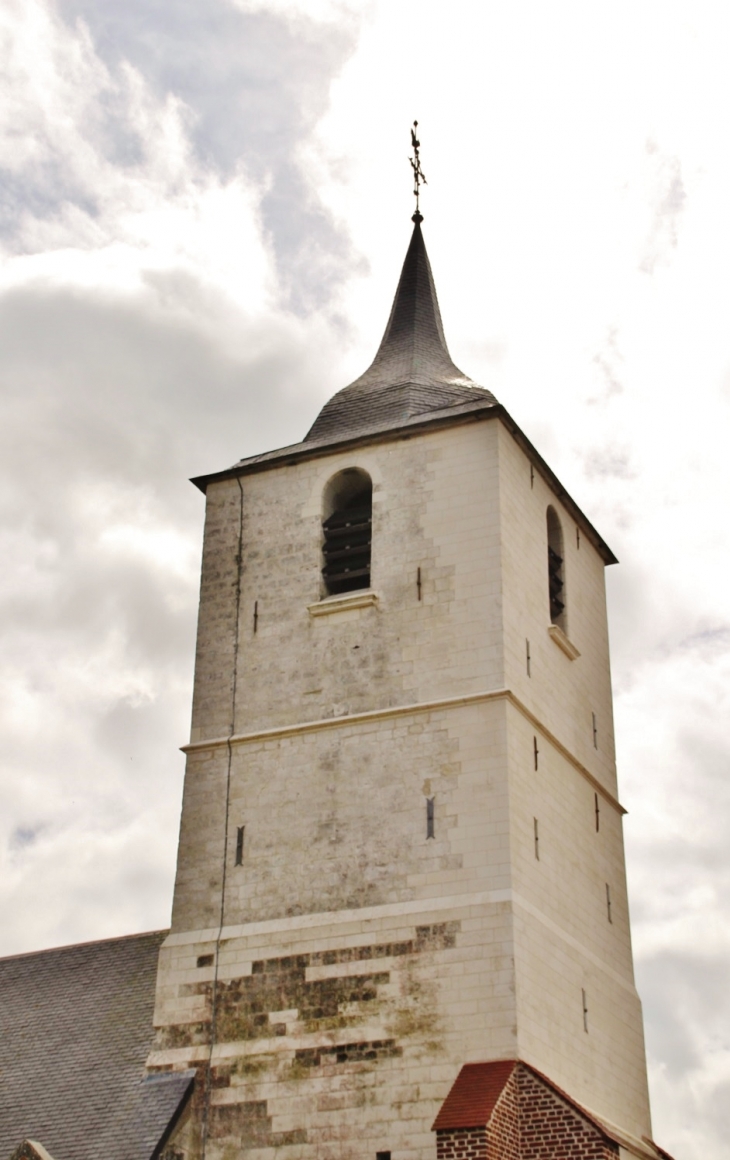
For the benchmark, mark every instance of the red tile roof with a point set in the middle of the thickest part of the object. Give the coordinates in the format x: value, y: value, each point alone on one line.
x: 474, y: 1095
x: 478, y: 1086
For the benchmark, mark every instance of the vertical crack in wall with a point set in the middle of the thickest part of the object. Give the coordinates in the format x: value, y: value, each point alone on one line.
x: 224, y: 868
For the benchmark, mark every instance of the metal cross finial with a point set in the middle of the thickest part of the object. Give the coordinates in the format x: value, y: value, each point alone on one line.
x: 419, y: 177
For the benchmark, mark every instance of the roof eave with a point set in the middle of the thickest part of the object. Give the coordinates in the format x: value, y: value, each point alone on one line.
x: 297, y: 452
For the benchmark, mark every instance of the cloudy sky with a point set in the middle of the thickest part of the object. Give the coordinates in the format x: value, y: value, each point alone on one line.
x: 203, y: 211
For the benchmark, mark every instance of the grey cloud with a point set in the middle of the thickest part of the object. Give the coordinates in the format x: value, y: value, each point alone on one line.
x: 255, y: 84
x: 24, y: 836
x: 684, y: 991
x: 678, y: 793
x: 609, y: 462
x: 687, y: 1015
x: 608, y: 363
x: 254, y: 81
x: 41, y: 192
x: 668, y: 203
x: 711, y: 641
x: 111, y: 402
x: 629, y: 599
x: 136, y: 389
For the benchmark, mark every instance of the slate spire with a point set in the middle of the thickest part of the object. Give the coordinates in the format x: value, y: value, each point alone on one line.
x: 413, y: 349
x: 412, y: 372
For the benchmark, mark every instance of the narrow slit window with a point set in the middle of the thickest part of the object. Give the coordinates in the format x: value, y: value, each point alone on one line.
x: 597, y: 806
x: 347, y: 531
x: 585, y: 1009
x: 430, y: 823
x: 536, y: 831
x: 535, y: 751
x: 527, y: 657
x: 239, y: 845
x: 608, y: 903
x: 595, y: 730
x: 556, y: 569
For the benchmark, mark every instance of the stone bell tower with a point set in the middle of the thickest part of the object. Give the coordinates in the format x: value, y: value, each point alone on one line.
x: 400, y: 925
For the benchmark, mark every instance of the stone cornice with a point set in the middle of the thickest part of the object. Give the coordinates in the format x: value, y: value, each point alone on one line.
x: 391, y: 711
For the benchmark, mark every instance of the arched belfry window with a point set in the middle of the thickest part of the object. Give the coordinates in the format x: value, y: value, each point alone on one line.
x: 347, y: 525
x: 556, y: 569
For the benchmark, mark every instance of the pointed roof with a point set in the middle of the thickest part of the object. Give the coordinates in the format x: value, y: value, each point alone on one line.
x: 412, y: 385
x: 412, y: 373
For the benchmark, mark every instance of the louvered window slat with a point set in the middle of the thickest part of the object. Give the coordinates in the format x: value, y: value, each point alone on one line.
x: 347, y: 544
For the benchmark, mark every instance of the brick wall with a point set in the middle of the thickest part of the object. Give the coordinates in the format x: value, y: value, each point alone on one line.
x: 551, y: 1128
x: 530, y: 1122
x: 462, y: 1144
x: 503, y: 1137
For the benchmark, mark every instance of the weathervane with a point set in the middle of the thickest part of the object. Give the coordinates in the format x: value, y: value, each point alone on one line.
x: 419, y: 177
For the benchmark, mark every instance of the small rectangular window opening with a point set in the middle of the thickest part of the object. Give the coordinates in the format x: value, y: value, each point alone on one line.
x: 382, y: 1156
x: 537, y: 838
x: 255, y: 615
x: 527, y: 657
x: 205, y: 960
x: 585, y: 1010
x: 430, y: 831
x: 239, y: 845
x: 418, y: 583
x: 556, y: 569
x: 608, y: 902
x: 595, y: 731
x: 598, y: 812
x: 536, y: 751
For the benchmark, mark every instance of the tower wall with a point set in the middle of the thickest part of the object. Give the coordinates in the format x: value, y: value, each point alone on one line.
x: 563, y: 693
x: 435, y: 508
x: 565, y: 945
x: 337, y: 979
x: 567, y: 951
x: 337, y: 1034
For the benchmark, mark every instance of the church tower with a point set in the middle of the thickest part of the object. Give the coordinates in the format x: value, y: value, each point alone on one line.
x: 400, y: 926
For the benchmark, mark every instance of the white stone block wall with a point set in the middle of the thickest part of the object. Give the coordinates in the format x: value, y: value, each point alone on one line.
x: 343, y: 726
x: 413, y: 1006
x: 563, y: 693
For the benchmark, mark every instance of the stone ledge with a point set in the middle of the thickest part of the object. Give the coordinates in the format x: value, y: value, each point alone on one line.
x: 351, y: 719
x: 562, y: 642
x: 343, y: 603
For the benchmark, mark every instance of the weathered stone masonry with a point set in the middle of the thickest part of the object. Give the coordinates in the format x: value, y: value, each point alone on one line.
x: 386, y: 920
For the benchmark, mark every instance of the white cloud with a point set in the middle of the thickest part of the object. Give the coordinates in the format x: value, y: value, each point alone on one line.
x: 143, y: 341
x: 97, y: 220
x: 326, y: 11
x: 201, y: 234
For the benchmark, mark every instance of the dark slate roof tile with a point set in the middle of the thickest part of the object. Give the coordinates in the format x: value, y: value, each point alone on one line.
x: 75, y: 1032
x: 411, y: 380
x: 412, y: 373
x: 145, y: 1115
x: 411, y: 385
